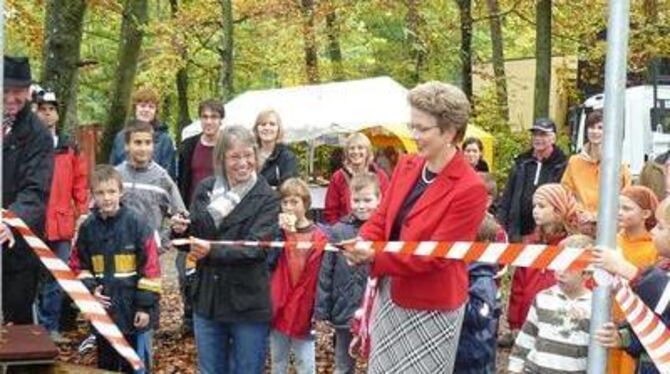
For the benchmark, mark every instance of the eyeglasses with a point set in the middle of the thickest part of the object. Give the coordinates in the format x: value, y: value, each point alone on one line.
x: 413, y: 128
x: 239, y: 158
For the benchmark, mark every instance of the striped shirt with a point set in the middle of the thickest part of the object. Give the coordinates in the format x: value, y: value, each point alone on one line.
x: 555, y: 336
x: 152, y: 193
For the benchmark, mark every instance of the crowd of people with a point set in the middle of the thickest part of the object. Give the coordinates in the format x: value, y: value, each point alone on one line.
x: 401, y: 313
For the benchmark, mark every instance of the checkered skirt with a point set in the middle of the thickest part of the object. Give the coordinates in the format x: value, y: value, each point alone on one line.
x: 411, y: 341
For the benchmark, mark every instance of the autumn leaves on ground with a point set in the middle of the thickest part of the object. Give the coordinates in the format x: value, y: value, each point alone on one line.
x: 174, y: 353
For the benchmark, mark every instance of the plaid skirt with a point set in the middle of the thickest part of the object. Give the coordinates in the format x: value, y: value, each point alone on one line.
x: 412, y: 341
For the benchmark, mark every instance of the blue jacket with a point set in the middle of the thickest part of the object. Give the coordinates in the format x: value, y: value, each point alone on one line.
x: 165, y: 153
x: 477, y: 344
x: 650, y: 287
x: 341, y: 287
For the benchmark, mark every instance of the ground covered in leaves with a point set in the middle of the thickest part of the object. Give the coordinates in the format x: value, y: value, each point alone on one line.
x: 174, y: 353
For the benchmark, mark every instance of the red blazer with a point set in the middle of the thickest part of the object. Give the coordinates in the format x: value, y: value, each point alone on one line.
x: 338, y: 200
x: 450, y: 209
x: 69, y: 191
x: 293, y: 306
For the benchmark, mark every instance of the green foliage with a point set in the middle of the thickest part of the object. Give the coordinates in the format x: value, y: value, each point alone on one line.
x: 507, y: 144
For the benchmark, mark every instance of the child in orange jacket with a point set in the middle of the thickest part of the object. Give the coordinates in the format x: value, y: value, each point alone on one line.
x: 636, y: 218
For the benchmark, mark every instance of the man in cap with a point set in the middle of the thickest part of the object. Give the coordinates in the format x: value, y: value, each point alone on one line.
x: 544, y: 163
x: 68, y: 200
x: 27, y: 166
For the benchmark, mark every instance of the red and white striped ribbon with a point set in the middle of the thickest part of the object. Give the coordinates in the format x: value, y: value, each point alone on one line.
x: 522, y: 255
x: 87, y: 303
x: 650, y: 330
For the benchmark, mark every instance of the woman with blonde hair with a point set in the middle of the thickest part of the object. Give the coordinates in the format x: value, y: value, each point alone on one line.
x: 277, y: 162
x: 358, y: 158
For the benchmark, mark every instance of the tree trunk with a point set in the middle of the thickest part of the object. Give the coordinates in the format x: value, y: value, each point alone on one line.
x: 334, y: 51
x: 498, y: 57
x: 135, y: 15
x: 542, y: 58
x: 183, y: 115
x: 64, y: 23
x: 416, y: 52
x: 226, y: 51
x: 465, y: 11
x: 308, y: 10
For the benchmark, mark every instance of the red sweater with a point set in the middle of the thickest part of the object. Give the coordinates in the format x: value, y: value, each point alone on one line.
x: 338, y: 200
x: 451, y: 209
x: 293, y: 304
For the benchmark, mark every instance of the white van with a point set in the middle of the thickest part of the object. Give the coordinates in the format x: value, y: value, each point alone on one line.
x: 642, y: 141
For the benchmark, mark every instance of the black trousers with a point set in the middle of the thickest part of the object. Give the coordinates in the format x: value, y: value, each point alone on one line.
x: 109, y: 359
x: 18, y: 294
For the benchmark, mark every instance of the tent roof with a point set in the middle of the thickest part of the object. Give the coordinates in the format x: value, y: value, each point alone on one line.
x: 308, y: 112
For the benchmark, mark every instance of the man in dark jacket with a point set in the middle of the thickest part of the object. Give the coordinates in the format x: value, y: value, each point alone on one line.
x: 145, y: 105
x: 27, y: 167
x: 544, y: 163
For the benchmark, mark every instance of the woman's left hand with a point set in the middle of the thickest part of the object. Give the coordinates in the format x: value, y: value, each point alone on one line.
x: 200, y: 248
x: 356, y: 255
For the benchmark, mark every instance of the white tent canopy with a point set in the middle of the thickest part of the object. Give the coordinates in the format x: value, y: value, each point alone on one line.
x: 308, y: 112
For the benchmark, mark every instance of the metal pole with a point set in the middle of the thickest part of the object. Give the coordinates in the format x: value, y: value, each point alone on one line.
x: 615, y: 86
x: 2, y: 112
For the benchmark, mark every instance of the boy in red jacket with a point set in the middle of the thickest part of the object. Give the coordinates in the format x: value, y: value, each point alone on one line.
x: 294, y: 282
x: 67, y: 201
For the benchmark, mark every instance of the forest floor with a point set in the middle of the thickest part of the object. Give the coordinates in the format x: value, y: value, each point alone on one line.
x: 174, y: 353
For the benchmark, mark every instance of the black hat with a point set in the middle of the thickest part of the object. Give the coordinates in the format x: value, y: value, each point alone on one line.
x: 17, y: 72
x: 544, y: 125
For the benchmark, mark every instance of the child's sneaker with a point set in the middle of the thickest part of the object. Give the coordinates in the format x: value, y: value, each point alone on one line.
x: 88, y: 344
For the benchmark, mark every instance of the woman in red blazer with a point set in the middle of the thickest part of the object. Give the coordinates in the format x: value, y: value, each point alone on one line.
x: 435, y: 196
x: 358, y: 159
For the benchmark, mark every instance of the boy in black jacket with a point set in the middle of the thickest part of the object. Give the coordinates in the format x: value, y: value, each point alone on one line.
x: 116, y: 256
x: 341, y: 287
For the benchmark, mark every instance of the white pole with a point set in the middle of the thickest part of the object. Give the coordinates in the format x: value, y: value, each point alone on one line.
x: 615, y: 86
x: 2, y: 111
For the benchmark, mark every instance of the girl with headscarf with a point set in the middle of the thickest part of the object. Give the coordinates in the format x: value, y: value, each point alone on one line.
x: 555, y: 214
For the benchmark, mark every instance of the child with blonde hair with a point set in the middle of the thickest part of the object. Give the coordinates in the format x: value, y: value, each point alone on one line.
x: 555, y: 335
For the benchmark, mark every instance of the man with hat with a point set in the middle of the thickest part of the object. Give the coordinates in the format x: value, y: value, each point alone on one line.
x: 544, y: 163
x: 27, y: 165
x: 68, y: 201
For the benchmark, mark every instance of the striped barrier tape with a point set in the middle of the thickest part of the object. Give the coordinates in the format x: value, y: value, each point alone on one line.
x: 653, y: 334
x: 650, y: 330
x: 521, y: 255
x: 87, y: 303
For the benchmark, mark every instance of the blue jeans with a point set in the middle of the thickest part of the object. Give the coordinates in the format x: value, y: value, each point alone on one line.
x: 51, y: 295
x: 144, y: 349
x: 230, y: 347
x: 303, y: 349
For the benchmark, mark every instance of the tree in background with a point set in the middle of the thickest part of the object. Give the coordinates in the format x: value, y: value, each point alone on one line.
x: 63, y: 25
x: 465, y: 12
x: 135, y: 17
x: 226, y: 50
x: 498, y: 57
x: 308, y: 11
x: 542, y: 58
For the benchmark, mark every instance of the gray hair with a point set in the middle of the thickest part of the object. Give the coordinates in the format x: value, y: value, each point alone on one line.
x: 228, y: 137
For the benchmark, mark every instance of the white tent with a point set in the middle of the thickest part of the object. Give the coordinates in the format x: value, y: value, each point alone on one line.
x: 308, y: 112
